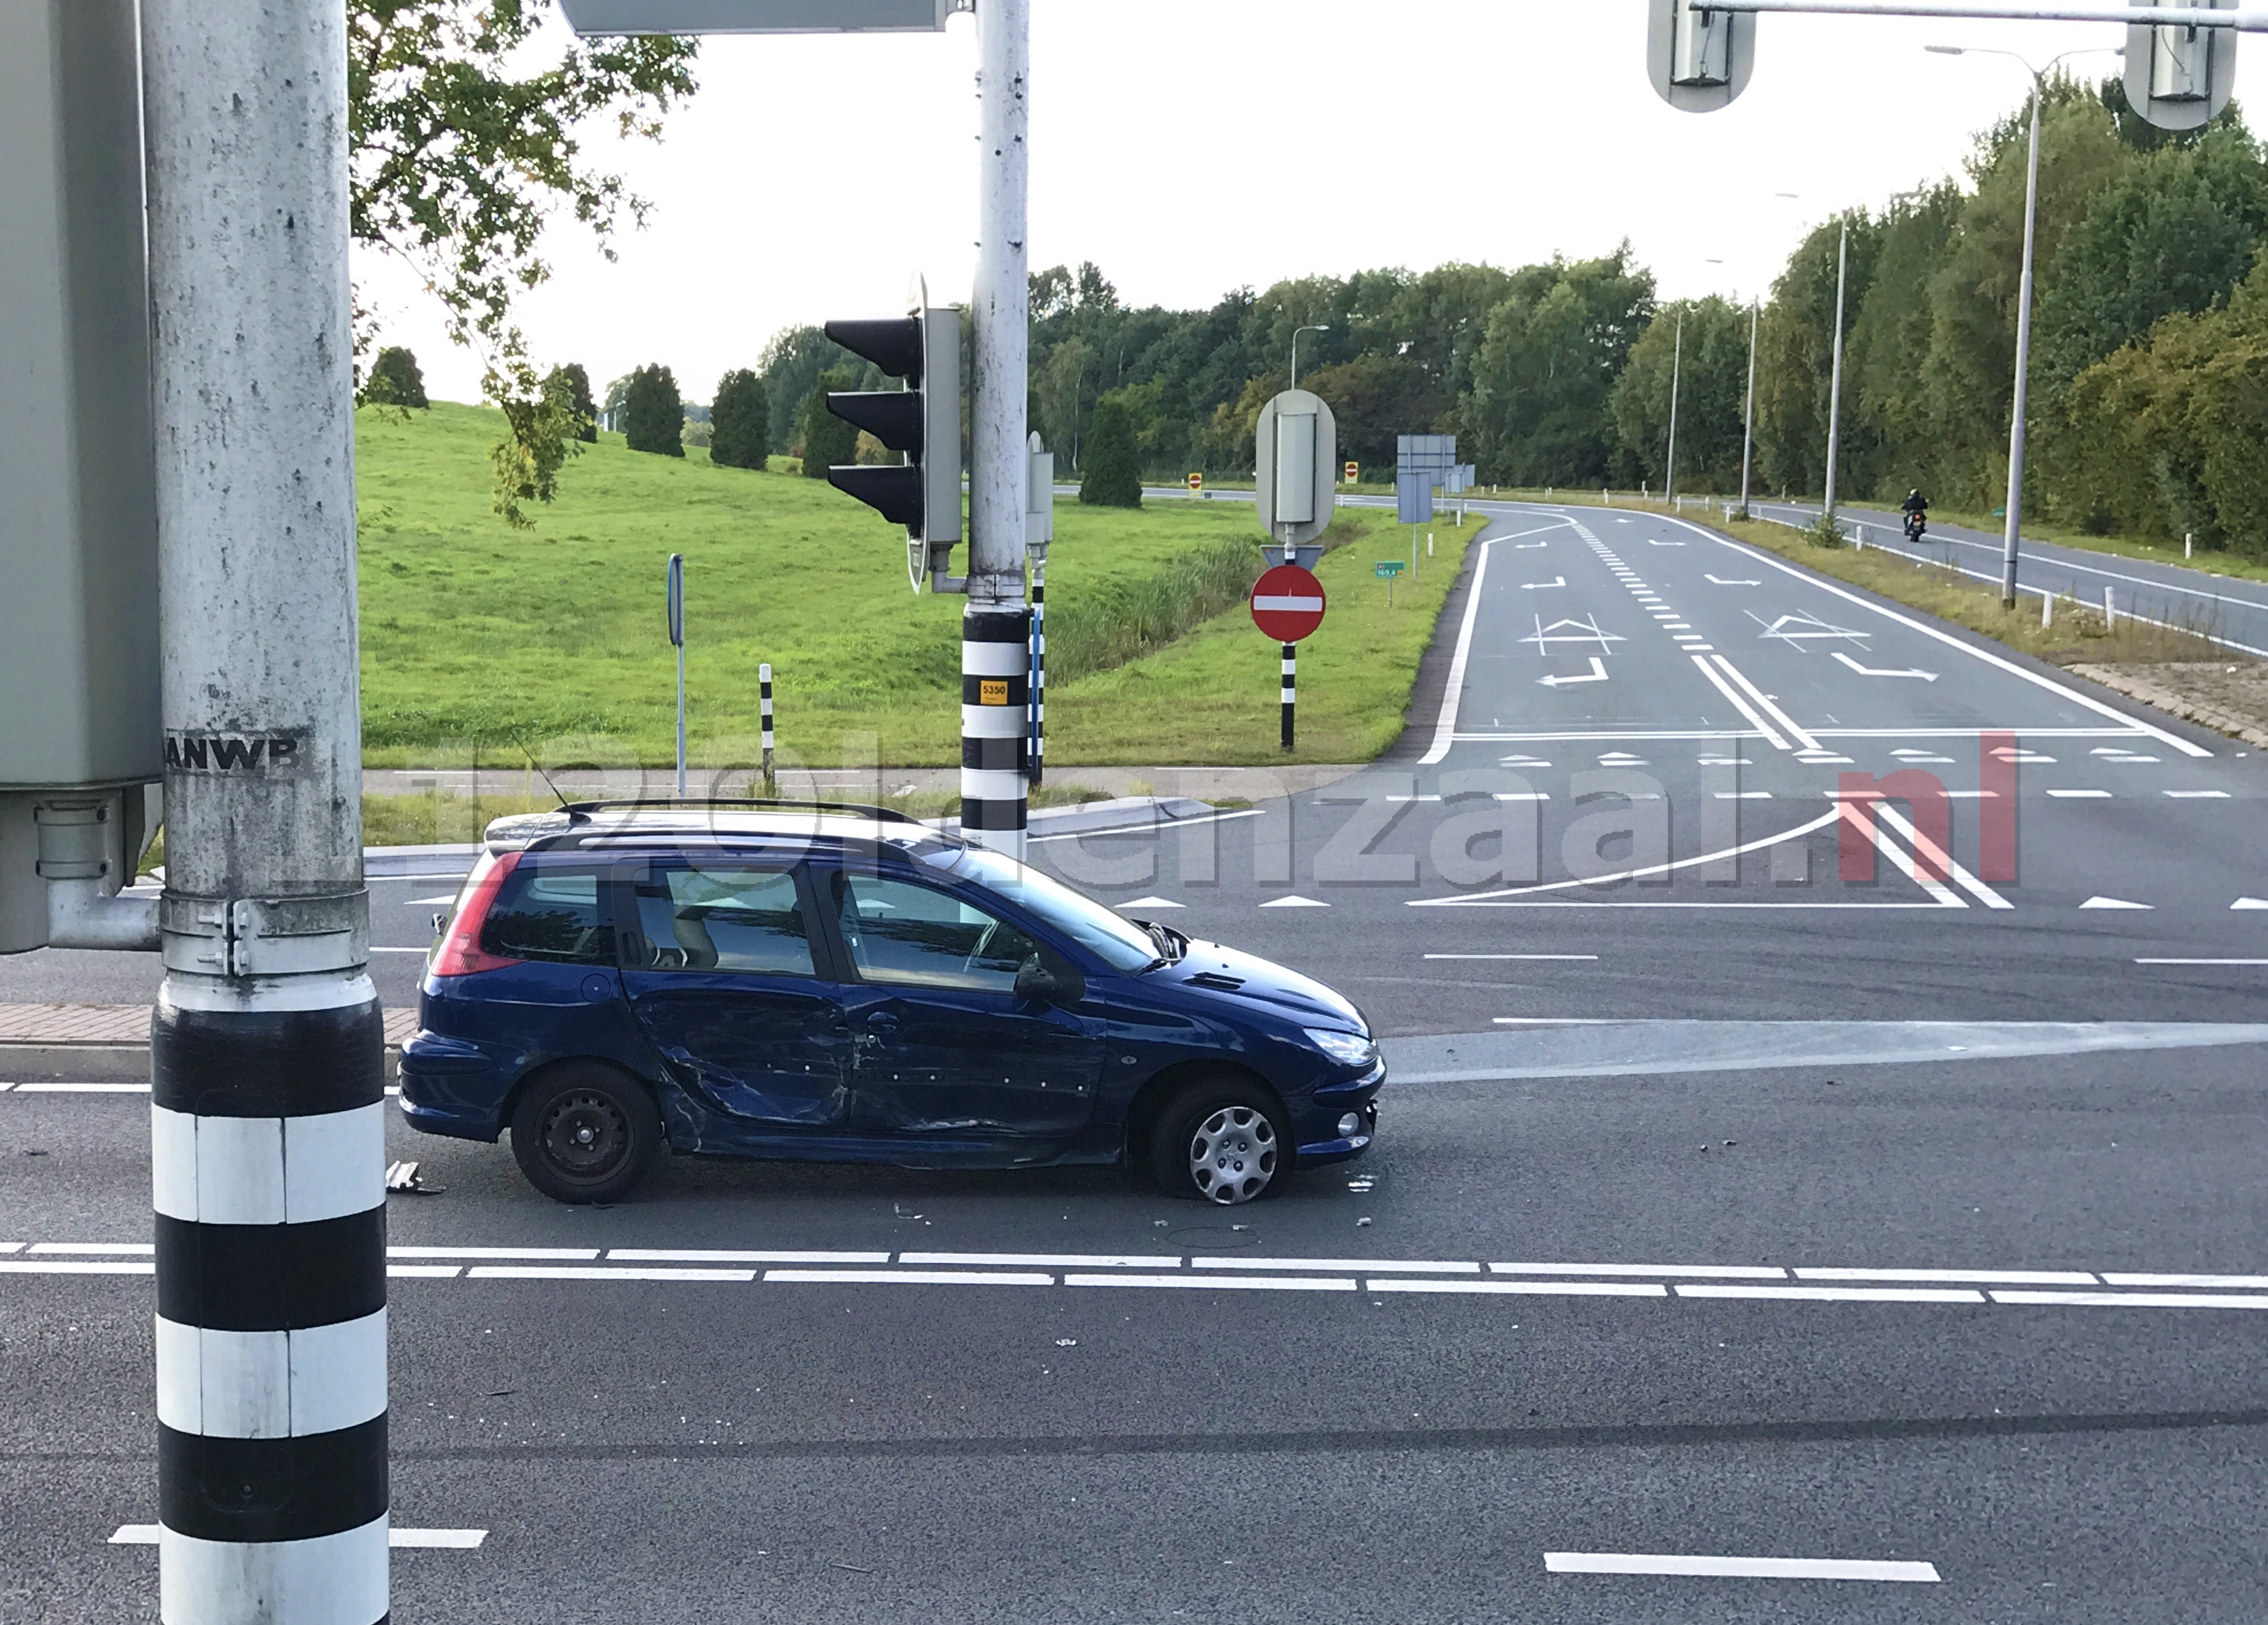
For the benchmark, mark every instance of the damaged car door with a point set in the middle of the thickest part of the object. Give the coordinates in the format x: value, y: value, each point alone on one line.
x: 725, y: 978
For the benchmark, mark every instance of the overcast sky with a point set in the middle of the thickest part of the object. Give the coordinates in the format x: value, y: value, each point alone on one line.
x: 1190, y: 146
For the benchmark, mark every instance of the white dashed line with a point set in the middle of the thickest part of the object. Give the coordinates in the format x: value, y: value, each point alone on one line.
x: 2092, y: 795
x: 1738, y: 1567
x: 2195, y: 796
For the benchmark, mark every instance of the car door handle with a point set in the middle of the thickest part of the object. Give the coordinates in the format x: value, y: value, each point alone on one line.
x: 882, y: 1024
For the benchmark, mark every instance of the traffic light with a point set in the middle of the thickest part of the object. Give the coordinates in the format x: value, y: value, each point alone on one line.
x: 1699, y: 55
x: 922, y: 422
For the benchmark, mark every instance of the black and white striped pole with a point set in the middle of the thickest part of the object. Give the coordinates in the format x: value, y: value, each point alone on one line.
x: 1039, y: 530
x: 1291, y: 693
x: 268, y: 1127
x: 995, y: 626
x: 764, y: 700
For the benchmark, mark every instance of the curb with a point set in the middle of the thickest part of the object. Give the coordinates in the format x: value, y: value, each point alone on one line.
x: 2172, y: 703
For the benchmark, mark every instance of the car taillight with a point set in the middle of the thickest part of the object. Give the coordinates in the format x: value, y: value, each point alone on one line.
x: 459, y: 953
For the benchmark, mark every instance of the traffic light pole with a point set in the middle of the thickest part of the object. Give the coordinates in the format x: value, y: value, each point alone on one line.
x: 268, y: 1125
x: 995, y: 635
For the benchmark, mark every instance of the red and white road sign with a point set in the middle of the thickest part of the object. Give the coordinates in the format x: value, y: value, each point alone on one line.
x: 1287, y: 604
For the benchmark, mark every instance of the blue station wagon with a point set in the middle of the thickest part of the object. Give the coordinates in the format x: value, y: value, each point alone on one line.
x: 832, y: 984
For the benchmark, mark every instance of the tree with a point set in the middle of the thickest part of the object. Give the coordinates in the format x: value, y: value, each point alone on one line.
x: 462, y: 147
x: 1711, y: 381
x: 1549, y: 353
x: 394, y: 381
x: 577, y: 383
x: 740, y: 422
x: 654, y: 413
x: 790, y: 369
x: 828, y: 440
x: 1114, y: 466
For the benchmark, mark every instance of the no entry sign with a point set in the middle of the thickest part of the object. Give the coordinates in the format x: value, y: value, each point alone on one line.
x: 1287, y: 604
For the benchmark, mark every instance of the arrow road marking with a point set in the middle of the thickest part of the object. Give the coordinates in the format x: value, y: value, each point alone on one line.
x: 1598, y: 674
x: 1867, y: 671
x: 1720, y: 582
x: 1585, y: 631
x: 1532, y: 586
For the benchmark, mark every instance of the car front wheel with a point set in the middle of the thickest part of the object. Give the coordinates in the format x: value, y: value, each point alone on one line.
x: 585, y: 1134
x: 1225, y: 1143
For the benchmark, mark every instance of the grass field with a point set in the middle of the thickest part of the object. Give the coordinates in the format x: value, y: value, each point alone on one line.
x: 553, y: 638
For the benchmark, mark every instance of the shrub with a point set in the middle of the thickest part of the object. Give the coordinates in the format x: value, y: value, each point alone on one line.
x: 740, y: 422
x: 395, y: 380
x: 826, y: 439
x: 1113, y: 474
x: 653, y: 413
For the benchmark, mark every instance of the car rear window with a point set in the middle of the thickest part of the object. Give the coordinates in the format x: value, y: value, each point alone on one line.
x: 549, y: 913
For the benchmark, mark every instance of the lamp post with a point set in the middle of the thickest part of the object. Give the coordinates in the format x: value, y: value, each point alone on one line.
x: 1677, y: 367
x: 1312, y: 328
x: 1748, y: 412
x: 2015, y: 509
x: 1835, y: 379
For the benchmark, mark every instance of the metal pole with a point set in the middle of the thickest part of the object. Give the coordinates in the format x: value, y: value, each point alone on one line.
x: 1835, y: 387
x: 266, y: 1045
x: 1291, y: 680
x: 2008, y: 542
x: 1677, y: 367
x: 995, y: 626
x: 1749, y: 414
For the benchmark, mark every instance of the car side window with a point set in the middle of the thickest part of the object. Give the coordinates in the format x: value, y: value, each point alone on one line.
x: 730, y: 918
x: 907, y: 935
x: 550, y: 913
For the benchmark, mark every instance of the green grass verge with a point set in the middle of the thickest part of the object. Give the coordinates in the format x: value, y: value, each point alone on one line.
x: 551, y: 638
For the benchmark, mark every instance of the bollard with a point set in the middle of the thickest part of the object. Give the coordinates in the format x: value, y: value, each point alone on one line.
x: 764, y: 705
x: 2047, y: 610
x: 2109, y: 611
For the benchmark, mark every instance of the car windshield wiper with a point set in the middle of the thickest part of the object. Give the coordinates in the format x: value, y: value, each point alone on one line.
x: 1171, y: 943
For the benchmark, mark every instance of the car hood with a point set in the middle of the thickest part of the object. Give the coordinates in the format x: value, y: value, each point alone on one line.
x: 1235, y: 977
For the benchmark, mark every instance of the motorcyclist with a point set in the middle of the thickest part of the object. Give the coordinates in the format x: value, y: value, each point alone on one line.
x: 1916, y: 507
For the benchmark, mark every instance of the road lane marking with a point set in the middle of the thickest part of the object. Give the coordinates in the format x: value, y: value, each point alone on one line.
x: 2071, y: 695
x: 1738, y: 1567
x: 412, y: 1540
x: 702, y: 1255
x: 1970, y: 1277
x: 1942, y: 861
x: 2116, y: 903
x: 1336, y: 1265
x: 1538, y: 587
x: 78, y: 1267
x: 1511, y: 897
x: 599, y: 1272
x: 1793, y: 730
x: 1520, y: 956
x: 1048, y: 1260
x: 82, y: 1088
x: 1836, y: 1295
x: 1868, y: 671
x: 2078, y: 795
x: 1527, y: 1289
x: 900, y: 1277
x: 2132, y: 1300
x: 524, y: 1253
x: 2200, y: 961
x: 2126, y: 1278
x: 146, y: 1249
x: 1243, y: 1283
x: 1445, y: 727
x: 2199, y: 795
x: 1710, y: 1272
x: 1741, y: 706
x: 1854, y: 810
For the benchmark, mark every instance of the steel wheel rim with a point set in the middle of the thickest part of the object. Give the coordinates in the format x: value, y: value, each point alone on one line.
x: 1233, y: 1155
x: 585, y: 1135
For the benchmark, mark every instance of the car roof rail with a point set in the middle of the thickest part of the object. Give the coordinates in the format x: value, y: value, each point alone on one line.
x: 886, y: 815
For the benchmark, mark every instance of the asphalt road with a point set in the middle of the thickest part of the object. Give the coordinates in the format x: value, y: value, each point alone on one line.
x: 1725, y: 1207
x: 2230, y: 609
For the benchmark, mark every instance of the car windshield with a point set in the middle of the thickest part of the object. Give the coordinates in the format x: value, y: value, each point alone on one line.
x: 1116, y: 941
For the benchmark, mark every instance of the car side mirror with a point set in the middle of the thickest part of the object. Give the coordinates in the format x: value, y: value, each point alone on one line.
x: 1044, y: 984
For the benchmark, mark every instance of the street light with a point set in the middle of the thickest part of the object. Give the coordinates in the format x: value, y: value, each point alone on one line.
x: 1320, y: 327
x: 2023, y: 306
x: 1676, y: 364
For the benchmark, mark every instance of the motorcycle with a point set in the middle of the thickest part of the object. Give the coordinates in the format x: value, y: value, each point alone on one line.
x: 1916, y: 528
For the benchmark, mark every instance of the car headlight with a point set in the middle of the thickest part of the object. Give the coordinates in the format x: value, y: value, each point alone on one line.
x: 1348, y: 1049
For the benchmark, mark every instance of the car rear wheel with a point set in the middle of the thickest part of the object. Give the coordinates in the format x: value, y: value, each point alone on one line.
x: 1223, y: 1142
x: 585, y: 1134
